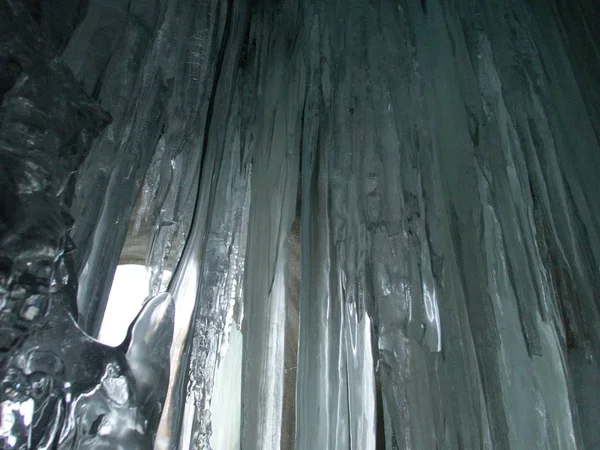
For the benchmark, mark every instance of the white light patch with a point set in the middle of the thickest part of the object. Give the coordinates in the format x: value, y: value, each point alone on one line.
x: 127, y: 295
x: 225, y: 407
x: 131, y: 286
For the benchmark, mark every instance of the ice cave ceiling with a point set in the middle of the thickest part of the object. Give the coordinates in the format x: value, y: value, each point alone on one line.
x: 396, y: 202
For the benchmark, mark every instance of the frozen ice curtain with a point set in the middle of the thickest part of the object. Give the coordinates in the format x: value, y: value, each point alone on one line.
x: 445, y: 157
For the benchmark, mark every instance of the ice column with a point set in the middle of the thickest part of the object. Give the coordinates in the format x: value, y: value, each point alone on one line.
x: 447, y: 183
x: 207, y: 280
x: 275, y: 87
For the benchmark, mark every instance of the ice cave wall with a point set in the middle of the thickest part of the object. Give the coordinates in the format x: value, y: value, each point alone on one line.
x: 450, y: 253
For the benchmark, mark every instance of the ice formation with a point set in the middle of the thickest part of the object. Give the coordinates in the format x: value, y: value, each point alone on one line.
x: 447, y: 155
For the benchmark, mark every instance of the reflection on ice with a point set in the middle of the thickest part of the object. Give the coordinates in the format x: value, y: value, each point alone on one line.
x: 447, y: 156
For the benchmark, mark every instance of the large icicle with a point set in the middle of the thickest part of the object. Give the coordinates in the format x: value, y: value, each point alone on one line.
x: 444, y: 180
x: 130, y: 74
x: 335, y: 397
x: 275, y: 78
x: 204, y: 282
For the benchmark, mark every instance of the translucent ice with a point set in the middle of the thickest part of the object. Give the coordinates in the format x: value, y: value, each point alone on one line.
x: 446, y: 153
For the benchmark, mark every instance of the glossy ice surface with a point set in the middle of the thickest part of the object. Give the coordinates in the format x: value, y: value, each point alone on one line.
x: 447, y: 154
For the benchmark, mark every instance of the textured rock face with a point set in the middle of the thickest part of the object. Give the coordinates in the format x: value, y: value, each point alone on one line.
x: 435, y: 285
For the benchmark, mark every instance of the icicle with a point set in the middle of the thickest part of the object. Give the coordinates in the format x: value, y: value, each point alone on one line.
x: 449, y: 232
